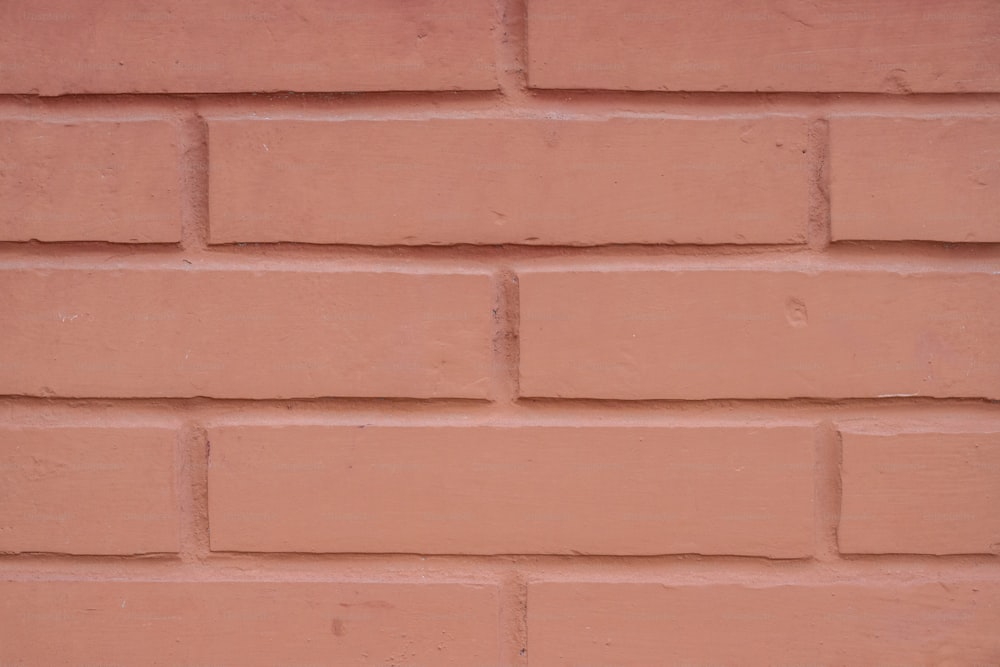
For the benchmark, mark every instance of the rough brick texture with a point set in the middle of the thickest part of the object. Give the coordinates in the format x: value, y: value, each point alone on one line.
x: 758, y: 334
x: 90, y: 181
x: 58, y: 47
x: 896, y: 46
x: 499, y: 333
x: 623, y: 623
x: 521, y: 490
x: 932, y: 493
x: 245, y: 334
x: 248, y: 623
x: 510, y: 181
x: 88, y: 490
x: 897, y: 179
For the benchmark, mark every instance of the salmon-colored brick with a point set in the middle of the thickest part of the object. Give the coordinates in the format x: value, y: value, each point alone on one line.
x: 932, y: 493
x: 633, y: 490
x: 250, y: 416
x: 88, y: 490
x: 135, y: 623
x: 894, y: 46
x: 89, y: 181
x: 244, y: 334
x: 758, y: 334
x: 935, y: 179
x: 632, y: 624
x: 492, y: 181
x: 58, y: 47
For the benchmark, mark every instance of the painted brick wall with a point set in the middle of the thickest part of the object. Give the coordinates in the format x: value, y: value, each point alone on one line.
x: 453, y: 332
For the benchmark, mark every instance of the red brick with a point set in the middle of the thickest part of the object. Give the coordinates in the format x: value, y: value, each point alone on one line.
x: 89, y: 181
x: 88, y: 490
x: 244, y: 334
x: 483, y: 490
x: 247, y: 623
x: 935, y: 179
x: 758, y: 334
x: 58, y: 47
x: 624, y: 624
x: 491, y: 181
x: 933, y: 493
x: 895, y: 46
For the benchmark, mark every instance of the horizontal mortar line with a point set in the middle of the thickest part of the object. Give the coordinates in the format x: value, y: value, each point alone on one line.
x: 749, y: 412
x: 334, y: 250
x: 512, y: 249
x: 559, y: 106
x: 84, y: 248
x: 435, y: 112
x: 522, y: 401
x: 586, y: 113
x: 525, y: 113
x: 222, y: 558
x: 513, y: 113
x: 576, y: 95
x: 956, y: 414
x: 580, y: 96
x: 112, y: 104
x: 806, y: 261
x: 423, y: 569
x: 944, y: 247
x: 194, y: 402
x: 251, y: 248
x: 883, y: 257
x: 611, y: 558
x: 792, y: 401
x: 142, y: 116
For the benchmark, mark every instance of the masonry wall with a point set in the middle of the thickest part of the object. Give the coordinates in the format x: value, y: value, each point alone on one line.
x: 467, y: 333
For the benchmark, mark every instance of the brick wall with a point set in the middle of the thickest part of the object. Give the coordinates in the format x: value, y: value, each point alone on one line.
x: 558, y: 332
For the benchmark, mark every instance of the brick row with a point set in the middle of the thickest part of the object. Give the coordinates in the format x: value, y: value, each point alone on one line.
x: 186, y: 47
x: 583, y: 334
x: 484, y: 490
x: 494, y: 181
x: 260, y: 623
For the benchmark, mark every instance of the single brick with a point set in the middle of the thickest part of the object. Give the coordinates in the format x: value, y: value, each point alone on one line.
x: 59, y: 47
x: 88, y: 490
x: 493, y: 181
x: 245, y: 334
x: 632, y: 624
x: 931, y: 493
x: 247, y: 623
x: 89, y: 181
x: 894, y: 46
x: 699, y: 334
x: 932, y: 179
x: 483, y: 490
